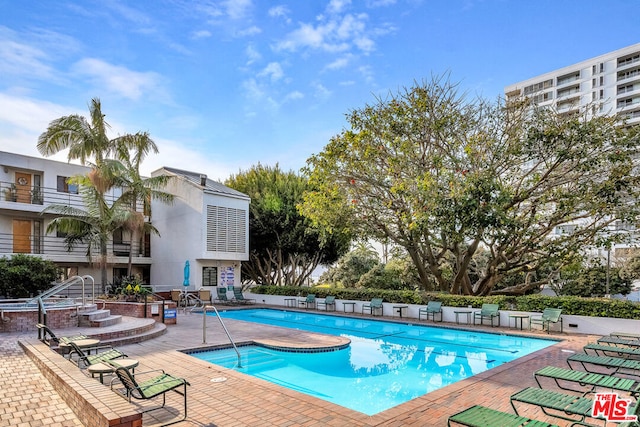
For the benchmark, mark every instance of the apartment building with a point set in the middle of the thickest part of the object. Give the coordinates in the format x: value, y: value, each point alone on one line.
x: 608, y: 83
x: 207, y: 225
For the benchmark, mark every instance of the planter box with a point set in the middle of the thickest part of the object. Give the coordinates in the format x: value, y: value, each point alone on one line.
x: 137, y: 309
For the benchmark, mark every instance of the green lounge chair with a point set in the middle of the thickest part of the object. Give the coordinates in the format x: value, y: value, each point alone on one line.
x: 52, y: 340
x: 221, y: 298
x: 432, y: 309
x: 481, y: 416
x: 107, y: 353
x: 590, y: 379
x: 240, y: 299
x: 627, y: 335
x: 329, y: 301
x: 549, y: 316
x: 373, y: 306
x: 152, y: 387
x: 617, y: 364
x: 619, y: 341
x: 487, y: 311
x: 609, y: 350
x: 309, y: 301
x: 560, y: 403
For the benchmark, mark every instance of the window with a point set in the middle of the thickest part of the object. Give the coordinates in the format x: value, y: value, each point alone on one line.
x: 601, y: 94
x: 542, y: 97
x: 117, y: 236
x: 536, y: 87
x: 601, y: 80
x: 629, y: 59
x: 209, y: 276
x: 37, y: 237
x: 64, y: 187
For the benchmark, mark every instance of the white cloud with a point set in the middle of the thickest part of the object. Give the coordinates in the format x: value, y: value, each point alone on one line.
x: 237, y: 9
x: 280, y: 11
x: 273, y: 70
x: 293, y: 96
x: 28, y: 55
x: 337, y: 6
x: 380, y: 3
x: 320, y: 91
x: 120, y: 80
x: 250, y: 31
x: 252, y: 54
x: 367, y: 73
x: 174, y: 154
x: 336, y: 34
x: 253, y: 89
x: 202, y: 34
x: 339, y: 63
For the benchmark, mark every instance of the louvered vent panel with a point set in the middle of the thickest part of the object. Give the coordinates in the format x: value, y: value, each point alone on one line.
x: 226, y: 229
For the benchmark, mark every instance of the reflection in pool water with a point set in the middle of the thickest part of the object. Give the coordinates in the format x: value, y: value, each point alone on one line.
x: 386, y: 364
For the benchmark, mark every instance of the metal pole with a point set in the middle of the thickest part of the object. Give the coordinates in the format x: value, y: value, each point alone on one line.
x: 204, y: 325
x: 608, y: 266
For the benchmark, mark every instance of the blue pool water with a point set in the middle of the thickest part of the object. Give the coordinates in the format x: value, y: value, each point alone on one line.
x: 386, y: 364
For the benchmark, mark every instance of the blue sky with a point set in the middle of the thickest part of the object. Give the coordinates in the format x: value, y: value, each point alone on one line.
x: 223, y: 85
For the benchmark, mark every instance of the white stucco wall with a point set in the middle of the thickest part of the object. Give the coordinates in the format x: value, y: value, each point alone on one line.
x: 182, y: 228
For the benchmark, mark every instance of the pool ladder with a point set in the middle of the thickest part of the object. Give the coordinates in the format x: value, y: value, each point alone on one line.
x: 204, y: 330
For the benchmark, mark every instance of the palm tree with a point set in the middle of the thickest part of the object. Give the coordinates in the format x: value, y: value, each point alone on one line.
x: 113, y: 167
x: 138, y: 189
x: 84, y: 139
x: 93, y: 225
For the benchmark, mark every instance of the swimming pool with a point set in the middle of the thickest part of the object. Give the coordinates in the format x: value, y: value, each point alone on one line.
x: 386, y: 364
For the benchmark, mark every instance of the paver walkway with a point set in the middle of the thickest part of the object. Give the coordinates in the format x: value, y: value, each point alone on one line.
x: 220, y: 397
x: 27, y: 399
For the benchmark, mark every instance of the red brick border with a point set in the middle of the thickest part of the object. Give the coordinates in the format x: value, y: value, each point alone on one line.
x: 94, y: 404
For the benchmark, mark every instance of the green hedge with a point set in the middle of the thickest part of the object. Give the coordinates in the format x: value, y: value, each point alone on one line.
x: 595, y: 307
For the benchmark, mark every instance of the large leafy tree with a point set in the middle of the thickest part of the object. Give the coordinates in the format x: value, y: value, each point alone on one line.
x: 442, y: 176
x: 284, y: 246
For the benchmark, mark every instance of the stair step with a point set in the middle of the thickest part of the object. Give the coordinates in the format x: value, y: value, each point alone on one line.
x: 95, y: 315
x: 155, y: 331
x: 106, y: 321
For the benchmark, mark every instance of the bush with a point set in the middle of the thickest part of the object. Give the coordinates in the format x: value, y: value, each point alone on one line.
x: 24, y: 276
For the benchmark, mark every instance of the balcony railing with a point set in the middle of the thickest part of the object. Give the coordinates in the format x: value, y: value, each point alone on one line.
x: 45, y: 196
x: 52, y: 245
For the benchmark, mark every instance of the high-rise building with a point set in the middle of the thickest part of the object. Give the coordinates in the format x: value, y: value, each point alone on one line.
x: 607, y: 84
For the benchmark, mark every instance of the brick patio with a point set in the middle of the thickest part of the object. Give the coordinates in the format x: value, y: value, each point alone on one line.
x: 28, y: 399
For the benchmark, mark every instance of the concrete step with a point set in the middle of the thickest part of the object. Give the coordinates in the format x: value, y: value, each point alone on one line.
x: 156, y: 330
x: 97, y: 318
x: 106, y: 321
x: 129, y: 330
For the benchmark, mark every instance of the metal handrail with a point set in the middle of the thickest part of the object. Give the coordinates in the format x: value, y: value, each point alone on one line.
x: 204, y: 330
x: 93, y: 288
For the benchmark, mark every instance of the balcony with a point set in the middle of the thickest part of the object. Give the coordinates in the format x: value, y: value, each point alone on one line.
x: 35, y: 198
x: 54, y: 248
